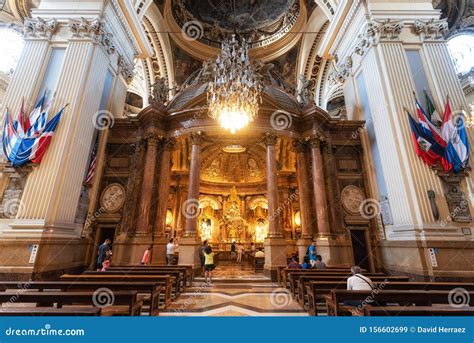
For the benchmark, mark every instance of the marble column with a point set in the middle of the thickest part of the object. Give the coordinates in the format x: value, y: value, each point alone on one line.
x: 275, y: 244
x: 159, y: 237
x: 190, y: 243
x: 304, y: 199
x: 143, y: 220
x: 319, y: 188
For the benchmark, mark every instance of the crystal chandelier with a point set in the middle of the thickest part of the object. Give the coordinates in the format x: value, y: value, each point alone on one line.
x: 233, y: 96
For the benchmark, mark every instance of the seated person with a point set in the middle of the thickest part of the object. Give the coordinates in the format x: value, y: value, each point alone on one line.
x: 358, y: 282
x: 259, y: 253
x: 306, y: 264
x: 294, y: 263
x: 319, y: 264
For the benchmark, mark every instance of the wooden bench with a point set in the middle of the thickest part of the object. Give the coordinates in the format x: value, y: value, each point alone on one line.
x: 283, y: 270
x: 50, y: 311
x: 163, y: 280
x: 400, y: 297
x: 397, y: 311
x: 130, y: 299
x: 297, y: 282
x: 177, y: 277
x: 188, y: 276
x: 152, y: 289
x: 288, y: 271
x: 317, y: 290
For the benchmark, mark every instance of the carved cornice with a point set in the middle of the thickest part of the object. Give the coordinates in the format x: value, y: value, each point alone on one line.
x: 107, y: 42
x: 270, y: 138
x: 432, y: 29
x: 126, y: 69
x: 39, y: 28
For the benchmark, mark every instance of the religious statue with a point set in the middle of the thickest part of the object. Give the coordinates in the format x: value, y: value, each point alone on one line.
x: 160, y: 90
x: 303, y: 91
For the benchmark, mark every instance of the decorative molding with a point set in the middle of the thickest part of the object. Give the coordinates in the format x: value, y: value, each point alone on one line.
x: 126, y: 69
x: 107, y: 42
x: 83, y: 28
x: 152, y: 138
x: 196, y: 138
x: 300, y: 145
x: 39, y: 28
x: 270, y: 138
x: 169, y: 143
x: 432, y: 29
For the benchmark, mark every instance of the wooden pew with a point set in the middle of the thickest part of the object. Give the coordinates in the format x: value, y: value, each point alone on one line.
x: 177, y: 277
x: 283, y: 270
x: 50, y: 311
x: 398, y: 311
x: 297, y: 282
x: 164, y: 280
x: 317, y: 290
x: 256, y: 262
x: 152, y: 289
x: 189, y: 276
x: 130, y: 299
x: 401, y: 297
x: 288, y: 271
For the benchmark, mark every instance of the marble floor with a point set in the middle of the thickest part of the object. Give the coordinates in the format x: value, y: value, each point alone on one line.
x: 236, y: 290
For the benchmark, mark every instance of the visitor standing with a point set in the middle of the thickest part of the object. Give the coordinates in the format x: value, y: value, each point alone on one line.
x: 170, y: 252
x: 101, y: 254
x: 146, y: 256
x: 233, y: 250
x: 208, y: 264
x: 312, y: 254
x: 240, y: 251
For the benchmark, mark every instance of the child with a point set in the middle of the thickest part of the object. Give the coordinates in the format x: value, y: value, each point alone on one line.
x: 106, y: 263
x: 208, y: 264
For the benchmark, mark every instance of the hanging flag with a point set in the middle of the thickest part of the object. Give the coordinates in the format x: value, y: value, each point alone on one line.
x: 21, y: 119
x: 432, y: 132
x: 425, y: 145
x: 36, y: 113
x: 42, y: 142
x: 91, y: 171
x: 454, y: 132
x: 431, y: 112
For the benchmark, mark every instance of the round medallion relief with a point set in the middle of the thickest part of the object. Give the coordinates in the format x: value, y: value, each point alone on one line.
x: 113, y: 197
x: 352, y: 197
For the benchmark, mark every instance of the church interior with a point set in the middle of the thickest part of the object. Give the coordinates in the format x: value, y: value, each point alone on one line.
x: 257, y: 129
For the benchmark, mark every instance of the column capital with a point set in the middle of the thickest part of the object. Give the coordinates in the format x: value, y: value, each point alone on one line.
x: 39, y: 28
x: 86, y: 28
x: 300, y: 145
x: 315, y: 142
x: 169, y: 143
x: 431, y: 29
x: 152, y: 138
x: 196, y: 138
x: 270, y: 138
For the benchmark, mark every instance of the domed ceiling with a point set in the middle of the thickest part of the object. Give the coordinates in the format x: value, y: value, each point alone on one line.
x: 260, y: 22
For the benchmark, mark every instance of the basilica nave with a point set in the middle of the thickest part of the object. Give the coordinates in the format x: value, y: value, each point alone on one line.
x: 254, y: 126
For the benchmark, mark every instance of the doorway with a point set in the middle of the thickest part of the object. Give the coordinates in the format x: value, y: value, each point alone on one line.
x: 360, y: 247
